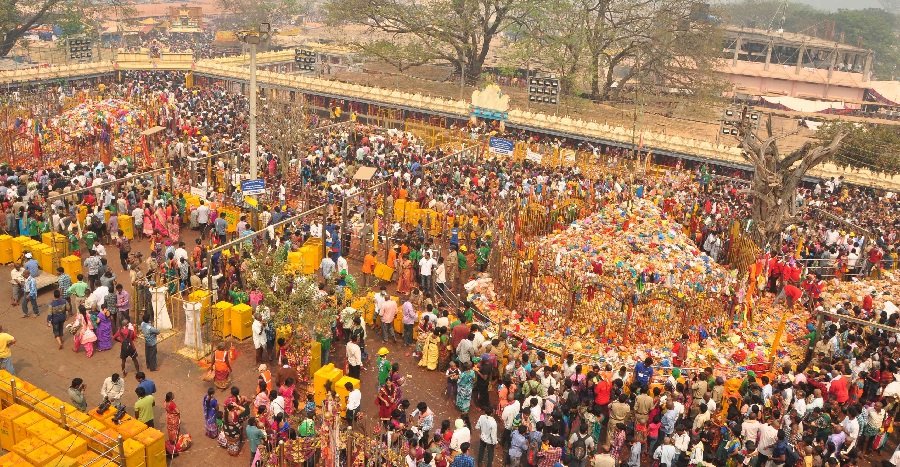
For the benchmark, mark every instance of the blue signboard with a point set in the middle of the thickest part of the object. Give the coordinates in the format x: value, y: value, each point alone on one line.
x: 253, y: 187
x: 501, y: 146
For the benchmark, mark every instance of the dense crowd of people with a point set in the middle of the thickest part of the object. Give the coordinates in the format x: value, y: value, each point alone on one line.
x: 526, y: 405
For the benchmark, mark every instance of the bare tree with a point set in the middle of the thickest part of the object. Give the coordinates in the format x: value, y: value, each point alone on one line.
x: 773, y: 188
x: 286, y: 127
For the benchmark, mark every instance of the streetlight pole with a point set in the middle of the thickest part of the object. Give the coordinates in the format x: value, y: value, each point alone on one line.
x: 254, y: 38
x: 253, y: 150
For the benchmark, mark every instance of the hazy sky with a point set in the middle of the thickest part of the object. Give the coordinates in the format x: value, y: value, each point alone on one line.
x: 845, y: 4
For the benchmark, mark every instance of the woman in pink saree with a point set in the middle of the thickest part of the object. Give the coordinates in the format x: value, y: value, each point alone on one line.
x: 148, y: 221
x: 160, y: 221
x: 172, y: 225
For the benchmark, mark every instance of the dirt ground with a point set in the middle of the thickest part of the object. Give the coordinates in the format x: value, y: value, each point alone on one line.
x: 37, y: 360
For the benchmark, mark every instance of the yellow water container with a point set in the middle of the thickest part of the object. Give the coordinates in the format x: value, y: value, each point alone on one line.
x: 135, y: 453
x: 398, y: 318
x: 22, y: 423
x: 73, y: 445
x: 241, y: 321
x: 42, y: 455
x: 308, y: 262
x: 6, y: 398
x: 202, y: 297
x: 12, y: 459
x: 399, y: 208
x: 6, y: 249
x: 44, y: 256
x: 57, y: 242
x: 110, y: 438
x: 72, y: 266
x: 383, y: 272
x: 28, y: 247
x: 412, y: 209
x: 232, y: 216
x: 222, y: 318
x: 295, y: 259
x: 27, y: 445
x: 327, y: 373
x: 90, y: 458
x: 131, y: 428
x: 342, y: 391
x: 315, y: 357
x: 47, y: 431
x: 18, y: 246
x: 31, y: 396
x: 75, y: 418
x: 155, y: 447
x: 413, y: 216
x: 92, y: 432
x: 7, y: 433
x: 49, y: 408
x: 64, y: 461
x: 126, y: 225
x: 105, y: 418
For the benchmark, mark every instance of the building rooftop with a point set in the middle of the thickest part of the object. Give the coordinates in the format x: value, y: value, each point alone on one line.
x: 790, y: 37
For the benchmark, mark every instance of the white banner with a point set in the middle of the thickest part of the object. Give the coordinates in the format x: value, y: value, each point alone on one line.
x: 535, y: 157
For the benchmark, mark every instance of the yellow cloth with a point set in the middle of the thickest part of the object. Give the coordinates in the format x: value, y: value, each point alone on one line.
x: 5, y: 340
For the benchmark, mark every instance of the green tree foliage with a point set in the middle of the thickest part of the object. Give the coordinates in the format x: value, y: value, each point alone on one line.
x: 292, y: 298
x: 871, y: 28
x: 866, y: 146
x: 74, y: 16
x: 459, y: 32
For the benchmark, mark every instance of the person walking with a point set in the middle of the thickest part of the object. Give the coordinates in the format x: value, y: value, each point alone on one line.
x: 30, y: 294
x: 354, y: 399
x: 63, y: 283
x: 77, y: 292
x: 57, y: 317
x: 92, y: 266
x: 17, y: 282
x: 388, y: 313
x: 259, y: 337
x: 126, y: 335
x: 487, y: 425
x: 354, y: 358
x: 151, y: 336
x: 409, y: 320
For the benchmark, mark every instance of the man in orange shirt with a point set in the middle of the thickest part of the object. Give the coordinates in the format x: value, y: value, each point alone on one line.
x: 368, y: 268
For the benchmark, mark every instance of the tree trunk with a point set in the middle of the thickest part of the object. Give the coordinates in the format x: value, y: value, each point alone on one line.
x: 594, y: 70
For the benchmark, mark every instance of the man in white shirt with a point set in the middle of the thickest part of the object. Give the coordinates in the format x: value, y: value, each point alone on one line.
x: 750, y: 427
x: 259, y: 337
x: 768, y: 436
x: 666, y: 454
x: 488, y: 439
x: 426, y: 264
x: 461, y: 434
x: 203, y: 217
x: 354, y: 398
x: 440, y: 279
x: 701, y: 417
x: 682, y: 440
x: 113, y: 388
x: 509, y: 416
x: 354, y: 358
x: 277, y: 405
